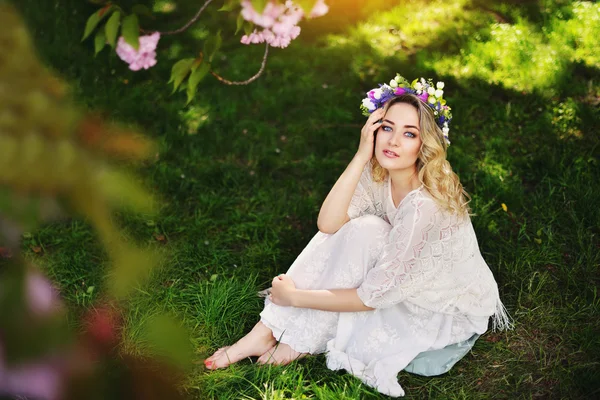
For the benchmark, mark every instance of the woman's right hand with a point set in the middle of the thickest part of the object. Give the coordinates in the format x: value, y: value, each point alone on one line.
x: 367, y: 135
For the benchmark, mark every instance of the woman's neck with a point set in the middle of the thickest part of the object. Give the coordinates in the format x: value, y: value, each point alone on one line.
x: 404, y: 181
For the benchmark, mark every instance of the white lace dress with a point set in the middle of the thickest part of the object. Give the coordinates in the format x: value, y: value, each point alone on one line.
x: 420, y: 268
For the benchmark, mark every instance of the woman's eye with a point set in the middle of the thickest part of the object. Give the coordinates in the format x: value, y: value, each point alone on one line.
x: 387, y: 128
x: 410, y: 134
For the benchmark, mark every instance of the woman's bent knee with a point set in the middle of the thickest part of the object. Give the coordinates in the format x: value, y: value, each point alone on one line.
x: 371, y: 222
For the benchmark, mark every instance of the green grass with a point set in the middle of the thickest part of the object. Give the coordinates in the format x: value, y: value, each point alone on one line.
x: 242, y: 173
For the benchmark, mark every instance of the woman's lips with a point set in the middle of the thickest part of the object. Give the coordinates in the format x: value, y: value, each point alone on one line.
x: 390, y: 154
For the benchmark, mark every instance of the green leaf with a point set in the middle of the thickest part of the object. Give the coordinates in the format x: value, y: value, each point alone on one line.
x: 141, y: 9
x: 122, y: 191
x: 95, y: 19
x: 131, y: 31
x: 179, y: 71
x: 239, y: 23
x: 259, y: 5
x: 99, y: 41
x: 91, y: 24
x: 306, y: 5
x: 112, y: 28
x: 212, y: 45
x: 197, y: 75
x: 229, y: 5
x: 248, y: 27
x: 167, y: 339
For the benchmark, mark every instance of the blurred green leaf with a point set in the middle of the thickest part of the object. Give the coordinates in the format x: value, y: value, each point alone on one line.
x: 248, y: 27
x: 197, y: 75
x: 131, y: 268
x: 167, y: 339
x: 229, y: 5
x: 99, y: 41
x: 179, y: 71
x: 259, y: 5
x: 306, y: 5
x: 212, y: 46
x: 239, y: 23
x: 131, y: 31
x: 123, y: 192
x: 112, y: 28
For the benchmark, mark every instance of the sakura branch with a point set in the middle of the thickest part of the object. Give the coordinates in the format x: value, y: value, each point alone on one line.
x: 276, y: 24
x: 250, y: 80
x: 188, y: 24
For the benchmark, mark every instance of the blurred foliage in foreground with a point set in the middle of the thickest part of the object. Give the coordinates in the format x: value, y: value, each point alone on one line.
x: 55, y: 161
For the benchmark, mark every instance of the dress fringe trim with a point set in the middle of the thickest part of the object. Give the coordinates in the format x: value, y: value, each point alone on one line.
x: 501, y: 320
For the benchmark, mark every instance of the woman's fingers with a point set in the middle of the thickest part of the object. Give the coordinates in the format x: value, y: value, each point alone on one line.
x: 377, y: 114
x: 373, y: 121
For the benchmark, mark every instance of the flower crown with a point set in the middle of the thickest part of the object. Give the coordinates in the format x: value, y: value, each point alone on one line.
x: 423, y: 89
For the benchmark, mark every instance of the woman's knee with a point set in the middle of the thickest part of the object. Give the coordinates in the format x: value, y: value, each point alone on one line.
x: 371, y: 223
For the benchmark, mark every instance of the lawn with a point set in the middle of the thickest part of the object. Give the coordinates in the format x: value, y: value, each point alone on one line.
x: 242, y: 171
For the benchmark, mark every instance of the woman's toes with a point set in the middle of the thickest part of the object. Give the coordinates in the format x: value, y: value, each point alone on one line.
x: 280, y: 354
x: 210, y: 361
x: 267, y: 356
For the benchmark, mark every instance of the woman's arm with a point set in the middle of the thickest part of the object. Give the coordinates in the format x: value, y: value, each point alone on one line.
x: 284, y: 293
x: 334, y: 211
x: 339, y: 300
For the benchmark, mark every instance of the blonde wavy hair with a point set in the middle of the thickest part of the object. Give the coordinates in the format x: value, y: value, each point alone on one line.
x: 434, y: 171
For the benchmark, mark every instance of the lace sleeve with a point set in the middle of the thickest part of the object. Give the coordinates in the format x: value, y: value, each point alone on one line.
x: 410, y: 256
x: 362, y: 202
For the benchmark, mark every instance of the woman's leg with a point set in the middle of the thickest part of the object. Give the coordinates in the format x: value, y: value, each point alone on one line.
x: 258, y: 341
x: 337, y: 261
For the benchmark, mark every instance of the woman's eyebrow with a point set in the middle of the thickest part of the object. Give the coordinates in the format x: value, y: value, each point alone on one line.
x: 412, y: 126
x: 387, y: 120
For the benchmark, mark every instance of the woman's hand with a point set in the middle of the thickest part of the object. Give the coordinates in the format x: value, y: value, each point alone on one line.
x: 282, y: 290
x: 367, y: 135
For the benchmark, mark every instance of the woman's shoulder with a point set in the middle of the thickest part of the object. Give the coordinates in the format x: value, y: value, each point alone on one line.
x: 367, y: 178
x: 426, y: 203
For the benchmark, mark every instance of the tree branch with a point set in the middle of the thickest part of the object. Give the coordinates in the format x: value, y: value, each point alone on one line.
x: 187, y: 25
x: 252, y: 79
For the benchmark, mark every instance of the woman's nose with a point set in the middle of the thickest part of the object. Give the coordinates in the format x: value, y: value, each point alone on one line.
x: 394, y: 139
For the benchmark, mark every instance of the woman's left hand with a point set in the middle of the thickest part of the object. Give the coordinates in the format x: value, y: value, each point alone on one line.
x: 282, y: 290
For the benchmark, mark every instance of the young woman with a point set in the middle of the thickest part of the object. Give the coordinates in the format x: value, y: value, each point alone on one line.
x: 394, y: 273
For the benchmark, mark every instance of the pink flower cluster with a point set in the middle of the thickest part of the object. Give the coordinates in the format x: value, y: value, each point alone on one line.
x: 279, y: 22
x: 145, y: 57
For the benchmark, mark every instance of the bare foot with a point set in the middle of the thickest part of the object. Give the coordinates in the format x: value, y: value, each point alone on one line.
x: 280, y: 354
x: 256, y: 342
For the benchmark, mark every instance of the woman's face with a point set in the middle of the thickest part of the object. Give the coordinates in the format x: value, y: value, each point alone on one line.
x: 398, y: 139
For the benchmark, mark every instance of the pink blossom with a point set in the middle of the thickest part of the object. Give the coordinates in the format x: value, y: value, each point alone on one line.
x: 145, y: 57
x: 270, y: 14
x: 399, y: 91
x: 41, y: 380
x: 279, y: 22
x: 319, y: 9
x: 42, y: 297
x: 424, y: 96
